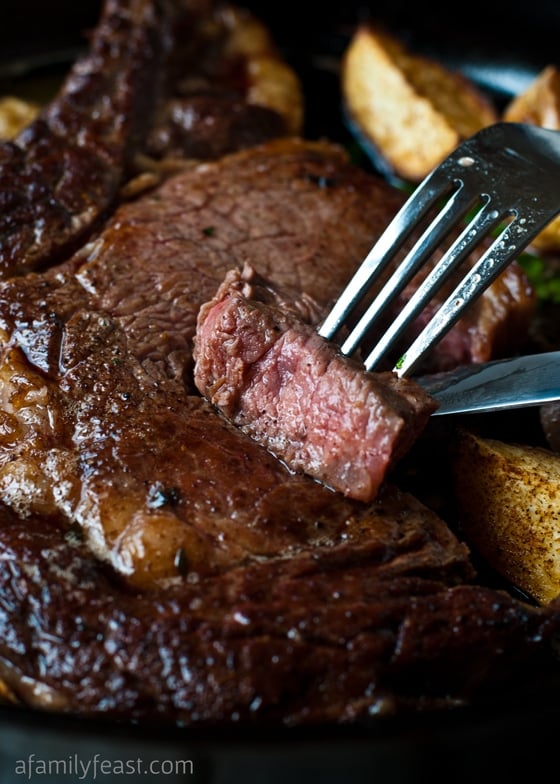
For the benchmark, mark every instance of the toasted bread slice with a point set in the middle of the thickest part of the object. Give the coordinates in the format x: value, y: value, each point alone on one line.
x: 411, y: 108
x: 509, y: 505
x: 539, y: 104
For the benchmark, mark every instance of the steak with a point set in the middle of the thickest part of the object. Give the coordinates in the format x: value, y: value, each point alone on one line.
x: 278, y: 207
x: 260, y: 361
x: 64, y: 171
x: 127, y: 97
x: 150, y: 475
x: 159, y: 564
x: 331, y: 636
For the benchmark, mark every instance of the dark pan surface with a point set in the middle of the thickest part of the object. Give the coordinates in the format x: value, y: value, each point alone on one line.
x: 502, y: 47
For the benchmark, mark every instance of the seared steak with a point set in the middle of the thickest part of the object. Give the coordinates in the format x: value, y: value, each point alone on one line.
x: 272, y: 375
x: 155, y: 561
x: 333, y: 635
x: 63, y: 171
x: 158, y: 79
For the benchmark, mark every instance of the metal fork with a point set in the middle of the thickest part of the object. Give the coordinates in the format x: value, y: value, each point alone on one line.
x: 508, y: 172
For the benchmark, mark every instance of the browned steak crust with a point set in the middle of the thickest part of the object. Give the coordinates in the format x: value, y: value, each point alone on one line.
x: 335, y: 637
x: 64, y: 170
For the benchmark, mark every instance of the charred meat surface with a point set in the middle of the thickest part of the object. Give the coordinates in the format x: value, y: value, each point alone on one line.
x: 64, y: 170
x: 260, y: 361
x: 322, y: 637
x: 183, y: 78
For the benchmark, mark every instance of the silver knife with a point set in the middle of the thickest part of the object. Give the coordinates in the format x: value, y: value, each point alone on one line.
x: 529, y: 380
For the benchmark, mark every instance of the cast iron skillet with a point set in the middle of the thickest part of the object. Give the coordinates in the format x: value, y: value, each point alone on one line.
x: 513, y: 735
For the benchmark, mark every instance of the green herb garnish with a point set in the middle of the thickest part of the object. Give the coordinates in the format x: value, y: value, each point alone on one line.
x: 542, y: 275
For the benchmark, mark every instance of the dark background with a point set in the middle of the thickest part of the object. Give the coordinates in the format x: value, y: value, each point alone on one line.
x: 313, y: 34
x: 534, y: 23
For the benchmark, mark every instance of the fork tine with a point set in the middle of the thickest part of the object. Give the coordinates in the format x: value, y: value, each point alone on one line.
x: 506, y: 247
x: 447, y: 219
x: 475, y: 231
x: 435, y: 187
x: 509, y: 168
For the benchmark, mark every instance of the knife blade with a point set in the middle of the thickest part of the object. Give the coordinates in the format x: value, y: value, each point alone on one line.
x: 520, y: 382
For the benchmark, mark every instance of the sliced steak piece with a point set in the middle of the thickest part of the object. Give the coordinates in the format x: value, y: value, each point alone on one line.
x: 273, y: 376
